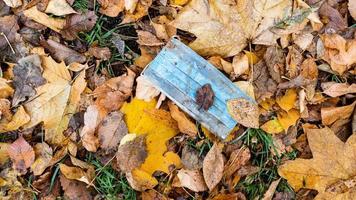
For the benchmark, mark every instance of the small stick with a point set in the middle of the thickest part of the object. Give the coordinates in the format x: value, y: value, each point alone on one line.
x: 8, y: 42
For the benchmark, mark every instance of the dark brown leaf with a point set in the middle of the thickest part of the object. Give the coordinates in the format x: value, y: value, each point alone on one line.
x: 78, y: 23
x: 61, y: 52
x: 27, y: 76
x: 74, y: 190
x: 8, y: 29
x: 332, y: 16
x: 132, y: 154
x: 205, y: 97
x: 275, y: 61
x: 21, y: 154
x: 264, y: 85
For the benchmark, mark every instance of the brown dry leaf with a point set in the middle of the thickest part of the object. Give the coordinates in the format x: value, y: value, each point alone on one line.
x: 57, y: 100
x: 152, y: 194
x: 43, y: 154
x: 55, y: 24
x: 148, y: 39
x: 27, y: 77
x: 145, y: 90
x: 61, y: 52
x: 327, y: 167
x: 21, y: 154
x: 352, y: 8
x: 102, y: 53
x: 270, y: 192
x: 338, y: 52
x: 5, y: 112
x: 233, y: 196
x: 19, y: 119
x: 163, y: 28
x: 146, y: 57
x: 191, y: 159
x: 224, y: 28
x: 91, y: 120
x: 334, y: 89
x: 78, y: 23
x: 13, y: 3
x: 204, y: 97
x: 59, y: 8
x: 9, y: 27
x: 140, y: 11
x: 213, y: 166
x: 132, y: 154
x: 4, y: 155
x: 111, y: 8
x: 76, y: 173
x: 334, y: 20
x: 74, y: 190
x: 275, y: 61
x: 6, y: 90
x: 185, y: 125
x: 238, y: 158
x: 244, y: 111
x: 264, y: 85
x: 353, y: 124
x: 111, y: 130
x: 294, y: 60
x: 330, y: 115
x: 192, y: 179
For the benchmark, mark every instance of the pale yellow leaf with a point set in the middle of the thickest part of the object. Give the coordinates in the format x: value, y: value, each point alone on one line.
x: 55, y: 24
x: 19, y: 119
x: 59, y: 8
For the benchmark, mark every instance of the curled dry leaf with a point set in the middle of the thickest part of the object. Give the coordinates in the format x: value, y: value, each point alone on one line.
x: 59, y: 8
x: 91, y: 120
x: 185, y: 125
x: 192, y: 179
x: 132, y: 154
x: 238, y: 158
x: 21, y: 154
x: 330, y: 115
x: 78, y: 23
x: 57, y: 100
x: 55, y: 24
x: 9, y: 27
x: 204, y: 97
x: 223, y: 28
x: 145, y: 90
x: 76, y: 173
x: 111, y: 130
x: 213, y: 166
x: 102, y: 53
x: 334, y: 89
x: 43, y: 154
x: 61, y: 52
x: 244, y: 111
x: 27, y: 77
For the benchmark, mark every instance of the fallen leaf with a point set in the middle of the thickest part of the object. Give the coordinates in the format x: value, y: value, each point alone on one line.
x: 13, y: 3
x: 240, y: 64
x: 271, y: 190
x: 27, y: 77
x: 272, y: 126
x: 233, y: 196
x: 191, y: 159
x: 275, y: 61
x: 74, y: 189
x: 19, y: 119
x: 21, y: 154
x: 61, y: 52
x: 303, y: 40
x: 353, y: 124
x: 111, y: 130
x: 59, y: 8
x: 224, y: 28
x: 335, y: 20
x: 264, y: 85
x: 329, y: 115
x: 328, y: 165
x: 287, y: 101
x: 244, y: 112
x: 140, y: 11
x: 9, y: 27
x: 163, y: 28
x: 142, y: 118
x: 238, y: 158
x: 102, y: 53
x: 289, y: 118
x: 213, y: 166
x: 132, y: 154
x: 4, y: 155
x: 148, y: 39
x: 55, y: 24
x: 352, y: 8
x: 57, y: 100
x: 111, y: 8
x: 185, y: 125
x: 78, y: 23
x: 334, y: 89
x: 6, y: 90
x: 192, y: 179
x: 204, y: 97
x: 140, y: 180
x: 152, y: 194
x: 145, y: 90
x: 91, y: 121
x: 43, y: 154
x: 76, y: 173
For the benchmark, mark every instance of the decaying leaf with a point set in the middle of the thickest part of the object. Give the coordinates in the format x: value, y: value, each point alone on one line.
x: 61, y: 52
x: 237, y: 159
x: 192, y: 179
x: 142, y: 118
x: 21, y: 154
x: 205, y: 97
x: 264, y: 85
x: 332, y: 161
x: 27, y: 77
x: 244, y: 112
x: 111, y: 130
x: 78, y: 23
x: 9, y: 27
x: 191, y: 159
x: 224, y: 28
x: 102, y: 53
x: 91, y: 120
x: 185, y: 125
x: 132, y: 154
x: 5, y: 89
x: 148, y: 39
x: 59, y: 8
x: 43, y: 154
x: 19, y: 119
x: 55, y: 24
x: 329, y: 115
x: 334, y: 89
x: 213, y: 166
x: 74, y: 189
x: 57, y: 100
x: 111, y: 8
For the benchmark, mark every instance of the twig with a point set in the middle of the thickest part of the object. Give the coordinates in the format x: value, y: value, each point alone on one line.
x: 8, y: 42
x: 101, y: 169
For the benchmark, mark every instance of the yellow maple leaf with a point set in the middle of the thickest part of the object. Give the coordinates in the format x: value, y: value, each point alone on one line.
x: 225, y: 27
x: 272, y: 126
x: 287, y: 101
x: 333, y: 162
x: 142, y: 118
x: 56, y: 101
x: 287, y: 119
